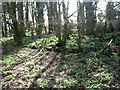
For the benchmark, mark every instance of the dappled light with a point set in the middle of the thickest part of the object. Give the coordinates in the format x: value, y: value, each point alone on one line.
x: 62, y: 53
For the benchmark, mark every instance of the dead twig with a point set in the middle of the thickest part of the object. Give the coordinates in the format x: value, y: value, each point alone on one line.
x: 11, y: 51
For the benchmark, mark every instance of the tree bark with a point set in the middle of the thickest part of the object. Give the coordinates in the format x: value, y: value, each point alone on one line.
x: 5, y: 23
x: 40, y: 17
x: 27, y: 16
x: 90, y: 18
x: 50, y: 16
x: 17, y: 34
x: 20, y: 18
x: 65, y: 16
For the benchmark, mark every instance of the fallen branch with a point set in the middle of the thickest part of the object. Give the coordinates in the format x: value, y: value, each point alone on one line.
x: 103, y: 48
x: 11, y: 51
x: 36, y: 54
x: 18, y: 55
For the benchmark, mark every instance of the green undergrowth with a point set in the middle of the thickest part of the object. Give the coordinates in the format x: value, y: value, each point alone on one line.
x: 98, y: 72
x: 97, y: 67
x: 46, y: 42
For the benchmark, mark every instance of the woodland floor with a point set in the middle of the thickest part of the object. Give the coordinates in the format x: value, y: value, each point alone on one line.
x: 44, y: 65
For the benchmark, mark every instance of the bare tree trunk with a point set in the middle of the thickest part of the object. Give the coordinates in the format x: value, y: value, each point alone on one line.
x: 40, y: 17
x: 50, y: 16
x: 20, y: 18
x: 56, y: 18
x: 45, y: 29
x: 5, y: 23
x: 32, y: 33
x: 82, y: 18
x: 59, y: 23
x: 79, y: 24
x: 27, y: 16
x: 90, y: 17
x: 16, y: 30
x: 2, y: 30
x: 65, y: 15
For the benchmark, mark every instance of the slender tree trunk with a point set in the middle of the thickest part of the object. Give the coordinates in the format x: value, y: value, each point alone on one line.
x: 5, y: 27
x: 50, y: 16
x: 45, y: 29
x: 5, y: 23
x: 90, y: 18
x: 32, y: 33
x: 82, y: 20
x: 65, y: 24
x: 55, y: 18
x: 40, y: 17
x: 118, y: 20
x: 20, y: 18
x: 68, y: 23
x: 37, y: 17
x: 79, y: 24
x: 10, y: 30
x: 2, y: 30
x: 59, y: 23
x: 16, y: 30
x: 8, y: 22
x: 27, y: 16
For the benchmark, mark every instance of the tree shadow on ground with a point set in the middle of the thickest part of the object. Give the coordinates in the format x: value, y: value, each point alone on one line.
x: 10, y: 44
x: 44, y: 70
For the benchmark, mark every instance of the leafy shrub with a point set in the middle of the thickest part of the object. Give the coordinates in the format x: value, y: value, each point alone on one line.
x: 42, y: 83
x: 65, y: 83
